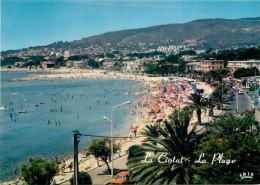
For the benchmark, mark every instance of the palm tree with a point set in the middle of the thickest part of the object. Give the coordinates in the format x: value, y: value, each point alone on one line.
x: 175, y: 142
x: 151, y: 131
x: 197, y: 102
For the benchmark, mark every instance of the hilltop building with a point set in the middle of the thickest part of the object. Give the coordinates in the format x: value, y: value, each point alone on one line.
x: 66, y: 54
x: 189, y: 58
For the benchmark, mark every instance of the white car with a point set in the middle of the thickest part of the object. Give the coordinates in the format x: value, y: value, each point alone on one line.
x: 240, y: 91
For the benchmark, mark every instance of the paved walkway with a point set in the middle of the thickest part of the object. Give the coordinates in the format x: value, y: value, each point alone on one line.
x: 100, y: 175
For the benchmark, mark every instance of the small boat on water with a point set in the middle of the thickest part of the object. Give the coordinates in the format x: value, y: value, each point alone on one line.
x: 36, y: 105
x: 41, y: 103
x: 4, y: 107
x: 22, y: 111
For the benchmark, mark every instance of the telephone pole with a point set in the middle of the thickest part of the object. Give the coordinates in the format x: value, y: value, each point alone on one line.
x: 76, y: 136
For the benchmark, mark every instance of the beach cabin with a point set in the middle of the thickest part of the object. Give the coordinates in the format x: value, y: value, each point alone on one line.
x: 47, y: 65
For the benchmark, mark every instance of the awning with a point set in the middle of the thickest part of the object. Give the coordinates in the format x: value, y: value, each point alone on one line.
x: 156, y: 109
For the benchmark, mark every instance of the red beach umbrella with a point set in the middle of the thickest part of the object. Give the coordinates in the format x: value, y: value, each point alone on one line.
x: 156, y: 109
x: 134, y: 128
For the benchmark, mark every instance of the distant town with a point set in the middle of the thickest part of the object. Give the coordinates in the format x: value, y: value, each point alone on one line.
x: 174, y: 59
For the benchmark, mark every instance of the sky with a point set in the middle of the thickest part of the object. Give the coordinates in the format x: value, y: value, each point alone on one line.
x: 26, y: 23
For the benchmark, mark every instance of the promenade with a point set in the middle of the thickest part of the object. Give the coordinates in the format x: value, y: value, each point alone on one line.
x: 100, y: 174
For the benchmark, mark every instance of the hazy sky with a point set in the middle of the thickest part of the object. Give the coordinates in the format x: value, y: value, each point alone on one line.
x: 27, y: 23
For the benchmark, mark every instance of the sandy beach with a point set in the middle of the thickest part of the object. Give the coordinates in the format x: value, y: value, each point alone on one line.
x: 161, y: 97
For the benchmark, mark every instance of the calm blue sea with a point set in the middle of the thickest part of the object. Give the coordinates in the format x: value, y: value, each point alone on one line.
x: 67, y: 105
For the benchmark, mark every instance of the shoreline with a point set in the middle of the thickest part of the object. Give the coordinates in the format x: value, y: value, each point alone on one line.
x: 151, y: 84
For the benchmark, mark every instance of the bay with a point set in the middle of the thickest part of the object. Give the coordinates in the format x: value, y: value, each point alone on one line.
x: 67, y: 105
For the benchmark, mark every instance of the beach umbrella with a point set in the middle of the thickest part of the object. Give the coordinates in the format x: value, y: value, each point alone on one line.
x: 186, y: 86
x: 176, y: 88
x: 183, y: 88
x: 134, y: 128
x: 164, y: 89
x: 156, y: 109
x: 170, y: 88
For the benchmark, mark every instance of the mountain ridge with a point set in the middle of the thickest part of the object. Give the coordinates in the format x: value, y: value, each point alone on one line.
x: 203, y: 33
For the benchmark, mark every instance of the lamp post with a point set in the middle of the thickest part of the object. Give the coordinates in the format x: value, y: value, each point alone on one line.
x: 112, y: 144
x: 208, y: 96
x: 237, y: 100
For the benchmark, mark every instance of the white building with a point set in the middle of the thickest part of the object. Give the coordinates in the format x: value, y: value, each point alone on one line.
x: 66, y: 54
x: 234, y: 65
x: 193, y: 66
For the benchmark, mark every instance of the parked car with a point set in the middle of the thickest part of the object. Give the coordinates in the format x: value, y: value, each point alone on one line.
x: 121, y: 178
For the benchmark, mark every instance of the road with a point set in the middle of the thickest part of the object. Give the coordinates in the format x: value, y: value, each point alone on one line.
x: 244, y: 103
x: 99, y: 175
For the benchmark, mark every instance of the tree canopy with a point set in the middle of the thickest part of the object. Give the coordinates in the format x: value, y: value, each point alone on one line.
x: 246, y: 72
x: 93, y: 63
x: 237, y: 139
x: 38, y: 171
x: 101, y: 149
x: 83, y: 178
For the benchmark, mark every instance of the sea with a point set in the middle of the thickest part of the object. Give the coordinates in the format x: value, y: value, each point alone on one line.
x: 50, y: 110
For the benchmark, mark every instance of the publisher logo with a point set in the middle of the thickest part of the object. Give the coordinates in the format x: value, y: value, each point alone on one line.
x: 246, y: 175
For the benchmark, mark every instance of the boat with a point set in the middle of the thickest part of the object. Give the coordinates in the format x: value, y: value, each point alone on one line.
x: 22, y: 111
x: 36, y: 105
x: 4, y: 107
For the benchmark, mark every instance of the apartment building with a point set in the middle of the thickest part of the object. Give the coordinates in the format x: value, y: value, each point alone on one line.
x: 209, y: 65
x: 234, y: 65
x: 205, y: 65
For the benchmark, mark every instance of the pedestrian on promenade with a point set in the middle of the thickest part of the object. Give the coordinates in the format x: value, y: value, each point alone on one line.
x: 135, y: 131
x: 70, y: 166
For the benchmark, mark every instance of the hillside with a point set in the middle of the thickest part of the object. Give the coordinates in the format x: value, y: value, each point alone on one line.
x: 203, y: 34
